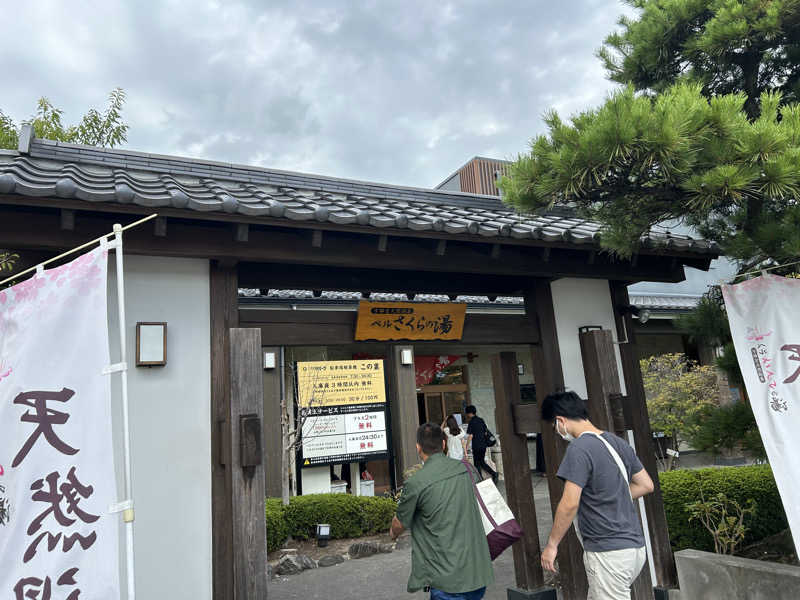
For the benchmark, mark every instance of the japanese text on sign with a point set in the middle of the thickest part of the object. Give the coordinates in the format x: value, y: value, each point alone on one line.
x: 343, y: 411
x: 410, y: 321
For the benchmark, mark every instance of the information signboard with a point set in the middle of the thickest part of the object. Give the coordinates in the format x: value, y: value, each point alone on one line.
x: 342, y: 406
x: 410, y: 321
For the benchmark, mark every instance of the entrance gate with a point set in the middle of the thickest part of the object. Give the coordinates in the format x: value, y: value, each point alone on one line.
x: 609, y: 410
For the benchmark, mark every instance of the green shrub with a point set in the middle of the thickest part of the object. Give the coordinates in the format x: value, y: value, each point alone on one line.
x: 728, y: 428
x: 378, y: 513
x: 277, y: 529
x: 349, y: 516
x: 741, y: 484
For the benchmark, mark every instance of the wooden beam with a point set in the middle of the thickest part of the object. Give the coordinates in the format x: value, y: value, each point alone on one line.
x: 160, y: 227
x: 602, y: 380
x: 383, y: 242
x: 32, y: 228
x: 441, y: 247
x: 67, y: 219
x: 109, y: 208
x: 549, y: 377
x: 242, y: 232
x: 322, y: 328
x: 247, y: 466
x: 273, y: 450
x: 663, y: 559
x: 519, y: 487
x: 402, y: 387
x: 600, y: 372
x: 316, y: 238
x: 224, y: 315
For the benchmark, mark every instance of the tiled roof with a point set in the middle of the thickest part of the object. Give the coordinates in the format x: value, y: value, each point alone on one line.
x: 69, y: 171
x: 679, y: 302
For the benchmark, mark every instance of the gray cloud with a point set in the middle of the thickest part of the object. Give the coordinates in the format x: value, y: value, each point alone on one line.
x: 402, y: 92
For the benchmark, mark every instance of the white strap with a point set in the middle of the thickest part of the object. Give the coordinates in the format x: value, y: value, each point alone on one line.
x: 616, y: 458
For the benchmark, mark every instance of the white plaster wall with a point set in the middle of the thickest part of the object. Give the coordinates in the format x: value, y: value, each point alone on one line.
x: 170, y: 427
x: 577, y: 303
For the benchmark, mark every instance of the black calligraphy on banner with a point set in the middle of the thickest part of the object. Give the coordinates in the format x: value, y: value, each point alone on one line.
x: 70, y: 492
x: 795, y: 350
x: 44, y: 418
x: 61, y: 496
x: 34, y: 588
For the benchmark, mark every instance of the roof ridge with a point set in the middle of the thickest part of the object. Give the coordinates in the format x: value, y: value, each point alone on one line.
x: 147, y: 161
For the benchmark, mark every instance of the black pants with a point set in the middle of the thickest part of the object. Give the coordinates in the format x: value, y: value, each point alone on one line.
x: 479, y: 454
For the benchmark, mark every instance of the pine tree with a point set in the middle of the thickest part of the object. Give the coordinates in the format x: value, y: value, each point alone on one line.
x: 638, y: 161
x: 729, y: 46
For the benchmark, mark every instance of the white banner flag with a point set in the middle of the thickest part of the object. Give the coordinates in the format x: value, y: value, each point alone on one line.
x: 57, y: 538
x: 763, y: 314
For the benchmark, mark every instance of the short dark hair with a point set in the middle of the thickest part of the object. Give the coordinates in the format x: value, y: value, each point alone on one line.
x: 430, y: 437
x: 470, y: 410
x: 564, y: 404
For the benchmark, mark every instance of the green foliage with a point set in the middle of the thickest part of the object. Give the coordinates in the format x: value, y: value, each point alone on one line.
x: 726, y: 45
x: 678, y: 391
x: 277, y: 528
x: 349, y: 516
x: 106, y: 129
x: 740, y: 484
x: 728, y: 428
x: 636, y: 162
x: 723, y: 519
x: 708, y: 321
x: 7, y: 261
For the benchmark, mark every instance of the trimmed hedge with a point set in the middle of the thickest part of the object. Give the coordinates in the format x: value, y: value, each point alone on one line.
x: 277, y: 529
x: 349, y: 517
x: 737, y: 483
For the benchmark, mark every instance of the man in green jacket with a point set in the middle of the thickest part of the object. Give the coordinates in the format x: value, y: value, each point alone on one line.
x: 449, y: 552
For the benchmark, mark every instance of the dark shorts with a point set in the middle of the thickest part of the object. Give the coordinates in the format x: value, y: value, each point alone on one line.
x: 473, y: 595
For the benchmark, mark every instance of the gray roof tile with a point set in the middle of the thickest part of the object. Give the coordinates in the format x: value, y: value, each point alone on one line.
x: 153, y: 181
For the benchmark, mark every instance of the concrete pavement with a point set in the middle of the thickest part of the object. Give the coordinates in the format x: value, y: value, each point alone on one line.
x: 384, y: 576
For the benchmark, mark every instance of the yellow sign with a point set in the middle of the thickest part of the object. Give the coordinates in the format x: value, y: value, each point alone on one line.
x: 410, y: 321
x: 321, y: 384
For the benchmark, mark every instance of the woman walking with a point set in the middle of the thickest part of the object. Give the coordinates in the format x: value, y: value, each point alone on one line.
x: 456, y: 438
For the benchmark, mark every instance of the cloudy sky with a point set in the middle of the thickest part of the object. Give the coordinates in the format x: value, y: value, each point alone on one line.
x: 400, y: 92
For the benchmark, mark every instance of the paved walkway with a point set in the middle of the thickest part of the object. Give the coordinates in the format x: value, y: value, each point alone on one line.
x: 384, y: 576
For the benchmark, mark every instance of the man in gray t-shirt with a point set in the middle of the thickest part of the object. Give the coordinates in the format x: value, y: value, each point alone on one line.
x: 595, y: 489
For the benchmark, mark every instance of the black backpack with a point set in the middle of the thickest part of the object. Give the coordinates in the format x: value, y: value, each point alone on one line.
x: 490, y: 439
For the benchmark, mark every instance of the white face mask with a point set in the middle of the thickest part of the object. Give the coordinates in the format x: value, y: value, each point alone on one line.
x: 567, y: 436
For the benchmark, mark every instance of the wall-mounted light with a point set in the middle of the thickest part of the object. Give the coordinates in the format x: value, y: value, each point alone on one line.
x: 521, y: 369
x: 269, y: 360
x: 406, y: 357
x: 642, y: 314
x: 151, y: 344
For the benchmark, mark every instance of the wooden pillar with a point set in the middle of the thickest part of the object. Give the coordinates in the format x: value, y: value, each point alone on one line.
x: 663, y: 560
x: 404, y: 411
x: 273, y: 451
x: 223, y: 288
x: 549, y: 377
x: 519, y: 488
x: 247, y: 466
x: 602, y: 380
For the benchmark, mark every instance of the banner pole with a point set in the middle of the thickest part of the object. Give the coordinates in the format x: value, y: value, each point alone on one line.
x: 128, y: 514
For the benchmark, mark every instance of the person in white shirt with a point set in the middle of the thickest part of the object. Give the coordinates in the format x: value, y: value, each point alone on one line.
x: 456, y: 438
